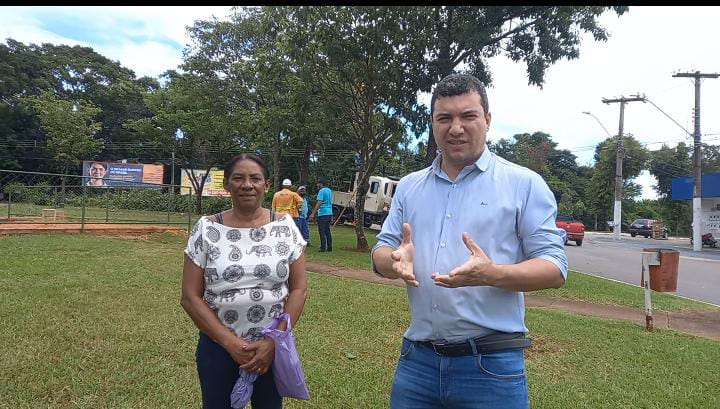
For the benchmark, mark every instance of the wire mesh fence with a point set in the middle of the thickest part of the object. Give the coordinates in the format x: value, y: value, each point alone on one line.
x: 31, y: 197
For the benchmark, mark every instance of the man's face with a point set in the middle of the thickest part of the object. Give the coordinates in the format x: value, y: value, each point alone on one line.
x: 302, y: 192
x: 460, y: 127
x: 97, y: 171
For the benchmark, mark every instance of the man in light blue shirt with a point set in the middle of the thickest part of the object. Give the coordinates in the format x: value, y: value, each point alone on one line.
x: 468, y: 235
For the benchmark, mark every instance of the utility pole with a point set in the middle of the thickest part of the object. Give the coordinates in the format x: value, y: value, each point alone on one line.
x: 620, y: 154
x: 697, y: 158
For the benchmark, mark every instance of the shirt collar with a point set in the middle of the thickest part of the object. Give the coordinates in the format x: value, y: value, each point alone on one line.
x: 483, y: 162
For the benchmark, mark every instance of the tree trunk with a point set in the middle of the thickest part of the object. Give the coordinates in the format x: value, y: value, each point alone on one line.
x: 198, y: 187
x: 596, y: 229
x: 362, y: 187
x: 276, y: 163
x: 431, y: 148
x: 305, y: 166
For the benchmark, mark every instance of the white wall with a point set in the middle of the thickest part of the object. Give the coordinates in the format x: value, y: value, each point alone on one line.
x: 710, y: 216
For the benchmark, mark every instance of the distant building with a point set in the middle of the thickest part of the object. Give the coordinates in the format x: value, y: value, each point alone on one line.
x: 682, y: 189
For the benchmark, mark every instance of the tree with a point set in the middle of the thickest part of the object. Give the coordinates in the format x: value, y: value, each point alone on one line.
x: 188, y: 120
x: 70, y: 129
x: 667, y: 163
x: 270, y: 94
x: 73, y: 73
x: 357, y: 57
x: 454, y: 36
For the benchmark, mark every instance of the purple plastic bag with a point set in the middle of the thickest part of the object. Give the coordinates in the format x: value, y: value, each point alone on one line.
x: 243, y: 389
x: 287, y: 369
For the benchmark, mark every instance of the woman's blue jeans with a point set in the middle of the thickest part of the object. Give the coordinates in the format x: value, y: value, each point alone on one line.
x: 218, y: 373
x: 425, y: 379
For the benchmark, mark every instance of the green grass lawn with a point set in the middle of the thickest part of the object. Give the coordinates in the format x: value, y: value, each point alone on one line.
x: 94, y: 322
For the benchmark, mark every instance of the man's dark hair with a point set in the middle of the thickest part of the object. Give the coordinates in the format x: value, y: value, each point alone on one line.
x: 322, y: 181
x: 103, y: 164
x: 458, y: 84
x: 245, y: 156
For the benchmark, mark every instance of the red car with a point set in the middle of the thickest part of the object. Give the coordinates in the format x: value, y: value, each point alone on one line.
x: 574, y: 229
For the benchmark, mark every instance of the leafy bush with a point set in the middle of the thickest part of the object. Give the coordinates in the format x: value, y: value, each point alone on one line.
x: 41, y: 194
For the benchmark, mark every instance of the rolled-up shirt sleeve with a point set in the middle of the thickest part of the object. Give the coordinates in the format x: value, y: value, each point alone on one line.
x: 536, y: 225
x: 391, y: 232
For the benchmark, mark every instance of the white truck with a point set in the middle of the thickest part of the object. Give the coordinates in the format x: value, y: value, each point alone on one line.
x: 377, y: 201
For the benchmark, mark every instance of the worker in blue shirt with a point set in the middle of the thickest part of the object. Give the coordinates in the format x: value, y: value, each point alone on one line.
x: 323, y: 209
x: 469, y: 234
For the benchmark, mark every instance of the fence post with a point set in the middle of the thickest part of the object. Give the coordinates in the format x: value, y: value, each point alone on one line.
x: 9, y: 202
x: 170, y: 202
x: 189, y: 209
x: 82, y: 214
x: 107, y: 205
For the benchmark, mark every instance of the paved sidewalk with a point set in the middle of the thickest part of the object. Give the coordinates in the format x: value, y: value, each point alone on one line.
x: 700, y: 323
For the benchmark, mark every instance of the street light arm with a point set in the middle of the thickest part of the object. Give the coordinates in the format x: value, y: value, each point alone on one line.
x: 676, y: 123
x: 598, y: 121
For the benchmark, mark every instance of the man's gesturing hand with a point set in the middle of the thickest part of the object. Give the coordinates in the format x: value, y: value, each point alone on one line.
x: 478, y: 270
x: 403, y: 258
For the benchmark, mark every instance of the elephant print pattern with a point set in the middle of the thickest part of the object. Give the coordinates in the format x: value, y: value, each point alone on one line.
x: 245, y: 270
x: 261, y: 250
x: 278, y: 230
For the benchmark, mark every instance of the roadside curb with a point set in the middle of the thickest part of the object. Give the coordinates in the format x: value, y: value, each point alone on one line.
x: 699, y: 323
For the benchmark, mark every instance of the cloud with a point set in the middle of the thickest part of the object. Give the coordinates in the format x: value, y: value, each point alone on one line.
x: 148, y: 40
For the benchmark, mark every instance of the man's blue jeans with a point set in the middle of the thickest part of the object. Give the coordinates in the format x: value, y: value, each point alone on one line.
x: 323, y: 223
x: 425, y: 379
x: 302, y: 225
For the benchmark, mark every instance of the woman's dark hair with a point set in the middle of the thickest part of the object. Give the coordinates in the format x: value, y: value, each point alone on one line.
x: 246, y: 156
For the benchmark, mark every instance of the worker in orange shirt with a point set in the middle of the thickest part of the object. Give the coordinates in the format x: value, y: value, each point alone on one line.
x: 287, y: 201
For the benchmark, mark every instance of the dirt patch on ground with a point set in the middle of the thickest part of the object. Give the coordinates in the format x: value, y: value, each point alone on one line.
x: 102, y: 229
x: 355, y: 250
x: 542, y: 347
x: 703, y: 323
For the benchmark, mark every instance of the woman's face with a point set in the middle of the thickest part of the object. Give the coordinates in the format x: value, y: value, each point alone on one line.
x: 247, y: 185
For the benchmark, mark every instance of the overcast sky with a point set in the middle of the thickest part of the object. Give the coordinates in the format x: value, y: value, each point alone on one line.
x: 646, y: 46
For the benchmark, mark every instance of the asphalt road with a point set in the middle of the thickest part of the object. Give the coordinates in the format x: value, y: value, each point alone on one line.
x: 601, y: 255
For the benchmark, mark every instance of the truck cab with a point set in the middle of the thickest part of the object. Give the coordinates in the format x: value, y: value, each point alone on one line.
x: 377, y: 201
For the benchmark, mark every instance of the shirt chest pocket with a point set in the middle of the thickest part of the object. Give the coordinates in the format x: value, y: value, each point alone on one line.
x: 487, y: 222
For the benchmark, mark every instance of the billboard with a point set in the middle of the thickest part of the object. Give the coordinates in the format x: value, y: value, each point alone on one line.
x: 213, y: 184
x: 112, y: 174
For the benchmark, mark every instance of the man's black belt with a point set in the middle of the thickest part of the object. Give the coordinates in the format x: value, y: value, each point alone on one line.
x: 495, y: 342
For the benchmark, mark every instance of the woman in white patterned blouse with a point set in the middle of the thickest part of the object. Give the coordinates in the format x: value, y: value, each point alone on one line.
x: 243, y: 267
